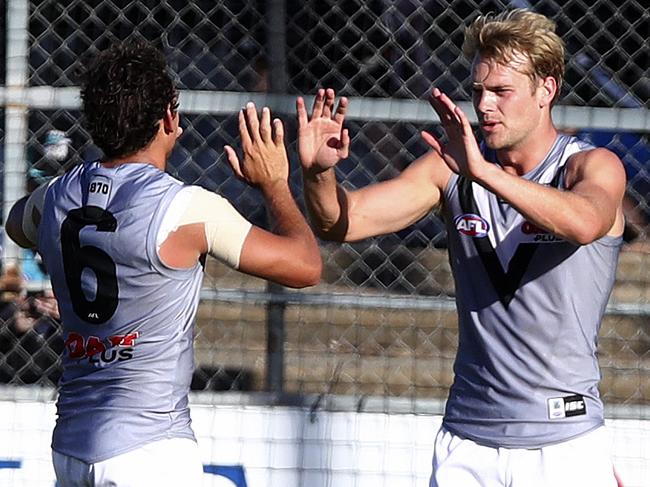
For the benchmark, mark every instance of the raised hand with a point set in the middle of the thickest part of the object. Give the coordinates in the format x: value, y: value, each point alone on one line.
x: 322, y: 140
x: 265, y: 157
x: 462, y: 153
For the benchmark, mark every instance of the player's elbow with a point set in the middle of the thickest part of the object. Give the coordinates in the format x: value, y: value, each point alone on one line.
x: 314, y: 271
x: 580, y: 239
x: 307, y: 272
x: 588, y: 232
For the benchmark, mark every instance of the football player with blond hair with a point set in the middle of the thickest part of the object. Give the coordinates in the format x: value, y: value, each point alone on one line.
x: 534, y: 225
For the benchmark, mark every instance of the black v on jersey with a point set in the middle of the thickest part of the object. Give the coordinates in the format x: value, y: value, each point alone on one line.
x: 505, y: 282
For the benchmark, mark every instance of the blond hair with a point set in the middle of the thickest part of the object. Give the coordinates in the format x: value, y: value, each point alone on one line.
x: 502, y: 37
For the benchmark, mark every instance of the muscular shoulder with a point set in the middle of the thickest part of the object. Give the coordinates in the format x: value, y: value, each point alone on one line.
x: 598, y: 164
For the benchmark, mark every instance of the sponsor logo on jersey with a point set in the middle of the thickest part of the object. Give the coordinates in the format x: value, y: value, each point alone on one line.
x: 116, y: 348
x: 472, y: 225
x: 565, y: 407
x: 540, y: 235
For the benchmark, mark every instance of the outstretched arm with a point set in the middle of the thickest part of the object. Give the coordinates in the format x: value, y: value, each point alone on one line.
x: 288, y: 255
x: 322, y: 143
x: 376, y: 209
x: 590, y: 207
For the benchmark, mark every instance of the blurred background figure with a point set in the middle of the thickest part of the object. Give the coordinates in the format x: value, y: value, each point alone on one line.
x: 55, y: 154
x: 30, y: 332
x: 11, y: 287
x: 44, y: 162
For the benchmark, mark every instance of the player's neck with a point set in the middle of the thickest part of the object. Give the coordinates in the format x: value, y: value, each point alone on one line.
x: 528, y: 153
x: 149, y: 155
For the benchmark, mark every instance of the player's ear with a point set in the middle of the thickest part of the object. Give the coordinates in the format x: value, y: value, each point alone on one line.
x: 169, y: 122
x: 546, y: 90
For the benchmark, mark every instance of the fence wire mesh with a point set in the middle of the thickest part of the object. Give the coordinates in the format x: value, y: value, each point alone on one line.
x: 382, y: 322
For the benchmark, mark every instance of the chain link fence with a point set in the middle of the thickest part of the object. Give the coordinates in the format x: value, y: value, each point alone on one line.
x: 383, y: 321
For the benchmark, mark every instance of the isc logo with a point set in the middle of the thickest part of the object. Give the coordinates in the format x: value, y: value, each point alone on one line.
x: 574, y: 406
x: 563, y: 407
x: 472, y: 225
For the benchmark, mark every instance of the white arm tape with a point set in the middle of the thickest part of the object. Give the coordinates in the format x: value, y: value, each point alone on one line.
x: 225, y: 228
x: 33, y: 212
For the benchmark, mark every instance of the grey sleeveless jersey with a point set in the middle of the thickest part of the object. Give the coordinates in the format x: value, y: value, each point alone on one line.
x: 127, y: 318
x: 529, y: 307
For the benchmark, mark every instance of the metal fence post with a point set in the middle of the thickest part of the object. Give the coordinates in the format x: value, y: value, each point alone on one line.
x: 16, y: 114
x: 278, y: 81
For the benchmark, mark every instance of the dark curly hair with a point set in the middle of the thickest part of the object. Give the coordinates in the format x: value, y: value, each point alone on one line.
x: 125, y: 91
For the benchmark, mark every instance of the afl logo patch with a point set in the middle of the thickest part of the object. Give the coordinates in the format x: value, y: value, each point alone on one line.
x: 472, y: 225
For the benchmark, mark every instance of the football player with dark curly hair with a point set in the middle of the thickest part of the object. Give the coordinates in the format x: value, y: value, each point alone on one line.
x: 123, y: 243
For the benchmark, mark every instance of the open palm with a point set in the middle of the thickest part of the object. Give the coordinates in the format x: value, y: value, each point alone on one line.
x: 322, y: 140
x: 265, y: 157
x: 462, y: 153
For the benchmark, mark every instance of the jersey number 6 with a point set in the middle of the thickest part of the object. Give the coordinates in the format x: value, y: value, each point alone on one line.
x: 77, y: 258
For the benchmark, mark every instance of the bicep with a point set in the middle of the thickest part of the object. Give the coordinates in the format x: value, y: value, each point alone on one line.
x: 599, y: 177
x: 393, y: 205
x: 290, y: 261
x: 265, y: 254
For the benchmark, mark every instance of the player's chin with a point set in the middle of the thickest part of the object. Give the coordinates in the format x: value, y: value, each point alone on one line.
x: 495, y: 141
x: 491, y: 141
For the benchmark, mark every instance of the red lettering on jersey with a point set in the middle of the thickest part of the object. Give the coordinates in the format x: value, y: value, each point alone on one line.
x: 94, y: 346
x: 529, y: 228
x: 124, y: 340
x: 75, y: 345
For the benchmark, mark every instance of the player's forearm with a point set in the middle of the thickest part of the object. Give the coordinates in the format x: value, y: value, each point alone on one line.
x: 288, y: 222
x: 327, y: 205
x: 566, y: 214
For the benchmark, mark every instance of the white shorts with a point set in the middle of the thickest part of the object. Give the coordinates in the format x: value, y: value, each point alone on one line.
x: 165, y: 463
x: 585, y: 460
